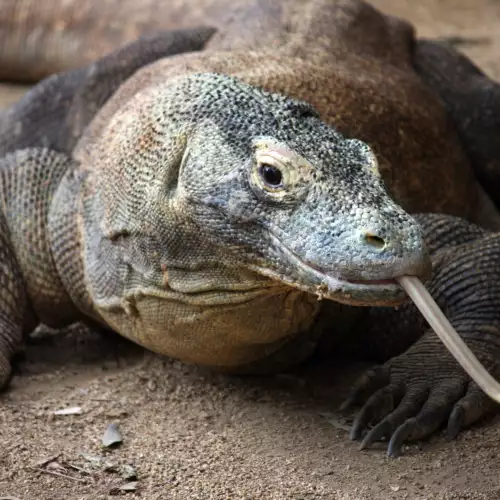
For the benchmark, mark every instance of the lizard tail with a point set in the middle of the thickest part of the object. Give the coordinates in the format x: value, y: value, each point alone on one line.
x: 38, y: 39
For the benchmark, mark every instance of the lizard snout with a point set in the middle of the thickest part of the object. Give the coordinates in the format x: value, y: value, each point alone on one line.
x: 402, y: 253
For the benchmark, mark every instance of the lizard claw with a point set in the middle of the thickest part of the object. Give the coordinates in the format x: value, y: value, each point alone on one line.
x: 468, y: 410
x: 379, y: 405
x: 400, y: 436
x: 381, y: 431
x: 370, y: 381
x: 421, y: 394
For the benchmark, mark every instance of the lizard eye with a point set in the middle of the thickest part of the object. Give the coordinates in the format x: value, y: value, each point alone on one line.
x: 271, y: 175
x: 277, y: 173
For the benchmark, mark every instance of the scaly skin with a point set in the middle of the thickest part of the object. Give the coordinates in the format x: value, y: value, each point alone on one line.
x: 420, y: 389
x: 135, y: 237
x: 359, y: 68
x: 158, y: 221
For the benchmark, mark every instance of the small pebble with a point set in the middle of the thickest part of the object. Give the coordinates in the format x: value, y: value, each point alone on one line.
x: 112, y: 436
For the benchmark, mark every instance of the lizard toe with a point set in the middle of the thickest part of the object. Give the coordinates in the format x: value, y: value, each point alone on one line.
x: 474, y: 405
x: 422, y: 390
x: 376, y: 408
x: 408, y: 407
x: 434, y: 412
x: 367, y: 384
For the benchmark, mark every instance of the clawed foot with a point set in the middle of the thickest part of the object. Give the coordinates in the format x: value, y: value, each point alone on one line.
x: 413, y: 395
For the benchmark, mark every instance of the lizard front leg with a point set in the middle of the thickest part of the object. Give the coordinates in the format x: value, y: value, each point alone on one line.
x: 13, y: 304
x: 416, y: 392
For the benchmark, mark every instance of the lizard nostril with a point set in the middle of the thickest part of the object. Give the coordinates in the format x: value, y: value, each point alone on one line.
x: 374, y: 240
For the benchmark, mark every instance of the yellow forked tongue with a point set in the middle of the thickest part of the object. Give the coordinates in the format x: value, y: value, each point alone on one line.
x: 450, y: 338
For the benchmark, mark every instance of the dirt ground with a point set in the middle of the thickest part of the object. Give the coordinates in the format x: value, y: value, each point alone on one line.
x: 191, y: 434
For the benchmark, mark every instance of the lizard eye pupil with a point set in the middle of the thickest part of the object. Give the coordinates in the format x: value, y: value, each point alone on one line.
x: 272, y: 175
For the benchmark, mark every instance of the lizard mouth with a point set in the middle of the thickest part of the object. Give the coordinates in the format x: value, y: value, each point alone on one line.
x: 373, y: 282
x: 360, y: 292
x: 330, y: 285
x: 383, y: 292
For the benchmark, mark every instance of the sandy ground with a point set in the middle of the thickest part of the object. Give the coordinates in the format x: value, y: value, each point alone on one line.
x: 191, y: 434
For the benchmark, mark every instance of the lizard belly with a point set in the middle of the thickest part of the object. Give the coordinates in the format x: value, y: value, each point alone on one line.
x: 235, y: 331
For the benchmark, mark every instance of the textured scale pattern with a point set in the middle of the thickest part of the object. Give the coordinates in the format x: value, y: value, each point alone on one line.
x: 27, y: 187
x: 14, y: 313
x: 13, y: 304
x: 355, y: 65
x: 179, y: 236
x: 137, y: 204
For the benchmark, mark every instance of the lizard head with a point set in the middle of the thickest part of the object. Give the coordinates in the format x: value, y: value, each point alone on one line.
x: 256, y: 180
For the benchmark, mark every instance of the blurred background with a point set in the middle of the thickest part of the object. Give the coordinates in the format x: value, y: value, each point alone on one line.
x: 472, y: 26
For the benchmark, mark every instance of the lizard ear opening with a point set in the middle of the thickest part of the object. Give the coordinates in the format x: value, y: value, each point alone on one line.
x: 175, y: 167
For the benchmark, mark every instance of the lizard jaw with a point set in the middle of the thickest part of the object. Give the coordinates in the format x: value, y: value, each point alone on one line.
x: 370, y: 292
x: 376, y: 292
x: 359, y: 292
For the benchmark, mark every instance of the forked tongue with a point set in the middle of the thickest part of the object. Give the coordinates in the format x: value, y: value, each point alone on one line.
x: 450, y: 338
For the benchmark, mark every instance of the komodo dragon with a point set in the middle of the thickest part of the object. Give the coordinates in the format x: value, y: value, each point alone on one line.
x: 194, y: 202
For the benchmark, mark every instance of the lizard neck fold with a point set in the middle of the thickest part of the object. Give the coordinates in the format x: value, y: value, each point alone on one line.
x: 64, y: 228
